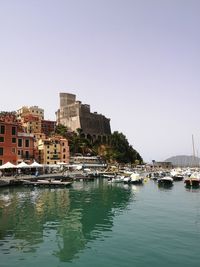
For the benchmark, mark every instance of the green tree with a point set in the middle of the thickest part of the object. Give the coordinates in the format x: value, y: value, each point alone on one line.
x: 117, y: 150
x: 61, y: 130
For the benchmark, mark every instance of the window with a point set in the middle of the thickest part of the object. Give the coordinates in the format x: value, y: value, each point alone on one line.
x: 27, y: 143
x: 63, y: 156
x: 64, y: 150
x: 19, y: 152
x: 1, y: 139
x: 13, y: 130
x: 27, y: 154
x: 1, y: 151
x: 2, y: 129
x: 19, y: 142
x: 13, y: 150
x: 1, y: 162
x: 13, y: 140
x: 48, y: 152
x: 47, y: 157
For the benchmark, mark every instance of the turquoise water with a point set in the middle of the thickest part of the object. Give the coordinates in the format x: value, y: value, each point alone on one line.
x: 100, y: 224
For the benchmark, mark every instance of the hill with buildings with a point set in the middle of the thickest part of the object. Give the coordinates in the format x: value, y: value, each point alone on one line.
x: 26, y: 136
x: 184, y: 161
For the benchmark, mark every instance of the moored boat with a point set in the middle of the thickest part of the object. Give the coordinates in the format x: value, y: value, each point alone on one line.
x: 177, y: 175
x: 167, y: 181
x: 193, y: 180
x: 135, y: 178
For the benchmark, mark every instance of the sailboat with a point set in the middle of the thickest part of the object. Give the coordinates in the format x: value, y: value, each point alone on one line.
x: 194, y: 179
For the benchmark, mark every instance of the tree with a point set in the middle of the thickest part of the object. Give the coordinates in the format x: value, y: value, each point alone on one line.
x: 61, y: 130
x: 117, y: 150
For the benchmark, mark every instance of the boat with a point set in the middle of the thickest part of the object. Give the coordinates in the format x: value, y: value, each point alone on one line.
x: 193, y: 180
x: 166, y: 181
x: 136, y: 178
x: 177, y: 175
x: 117, y: 179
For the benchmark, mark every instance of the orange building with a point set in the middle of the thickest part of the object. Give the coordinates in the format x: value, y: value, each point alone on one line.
x: 30, y: 118
x: 31, y: 123
x: 8, y: 137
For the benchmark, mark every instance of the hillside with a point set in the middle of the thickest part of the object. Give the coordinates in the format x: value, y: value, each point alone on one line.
x: 184, y: 161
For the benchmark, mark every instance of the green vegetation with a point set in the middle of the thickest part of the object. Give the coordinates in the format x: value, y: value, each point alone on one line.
x: 116, y: 149
x: 123, y: 152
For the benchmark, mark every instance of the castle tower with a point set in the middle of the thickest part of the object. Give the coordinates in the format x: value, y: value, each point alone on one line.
x: 73, y: 114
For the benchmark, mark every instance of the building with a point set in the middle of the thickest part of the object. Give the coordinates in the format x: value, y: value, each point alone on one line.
x: 8, y: 137
x: 88, y: 161
x: 162, y: 164
x: 34, y: 110
x: 53, y: 150
x: 25, y: 147
x: 75, y: 115
x: 48, y: 127
x: 31, y: 118
x: 31, y: 124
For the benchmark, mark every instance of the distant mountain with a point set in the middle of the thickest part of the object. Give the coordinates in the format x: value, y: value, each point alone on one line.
x: 184, y: 161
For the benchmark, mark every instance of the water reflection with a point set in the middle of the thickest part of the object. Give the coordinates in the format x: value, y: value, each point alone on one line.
x: 192, y: 189
x: 63, y: 220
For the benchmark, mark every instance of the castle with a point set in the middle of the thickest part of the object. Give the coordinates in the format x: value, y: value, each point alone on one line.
x: 75, y: 115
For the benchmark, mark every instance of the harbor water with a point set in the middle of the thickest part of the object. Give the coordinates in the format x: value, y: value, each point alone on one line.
x: 100, y: 224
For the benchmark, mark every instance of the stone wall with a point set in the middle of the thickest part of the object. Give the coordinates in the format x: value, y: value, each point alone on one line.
x: 95, y: 124
x: 74, y: 114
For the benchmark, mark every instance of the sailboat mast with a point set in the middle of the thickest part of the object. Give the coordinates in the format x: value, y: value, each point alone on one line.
x: 193, y: 149
x: 193, y: 145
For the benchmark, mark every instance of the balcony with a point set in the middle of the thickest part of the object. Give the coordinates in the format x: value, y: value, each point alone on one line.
x: 55, y: 157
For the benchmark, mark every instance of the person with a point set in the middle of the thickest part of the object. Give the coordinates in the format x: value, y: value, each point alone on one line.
x: 36, y: 173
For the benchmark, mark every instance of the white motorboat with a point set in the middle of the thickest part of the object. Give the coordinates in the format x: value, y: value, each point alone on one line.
x: 167, y: 180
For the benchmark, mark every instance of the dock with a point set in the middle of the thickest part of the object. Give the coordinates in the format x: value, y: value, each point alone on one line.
x: 47, y: 183
x: 56, y: 180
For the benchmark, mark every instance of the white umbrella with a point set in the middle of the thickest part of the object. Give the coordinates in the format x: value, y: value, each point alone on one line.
x: 35, y: 165
x: 7, y: 165
x: 23, y: 165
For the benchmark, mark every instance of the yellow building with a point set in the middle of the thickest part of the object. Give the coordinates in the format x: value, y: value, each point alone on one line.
x: 33, y: 110
x: 53, y: 150
x: 31, y: 118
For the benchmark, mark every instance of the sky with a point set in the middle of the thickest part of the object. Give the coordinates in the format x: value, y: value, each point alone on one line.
x: 135, y: 61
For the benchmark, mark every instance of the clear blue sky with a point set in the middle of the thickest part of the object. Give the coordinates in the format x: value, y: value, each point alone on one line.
x: 135, y: 61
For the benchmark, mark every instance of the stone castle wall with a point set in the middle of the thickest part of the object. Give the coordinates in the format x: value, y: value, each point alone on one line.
x: 74, y: 114
x: 95, y: 124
